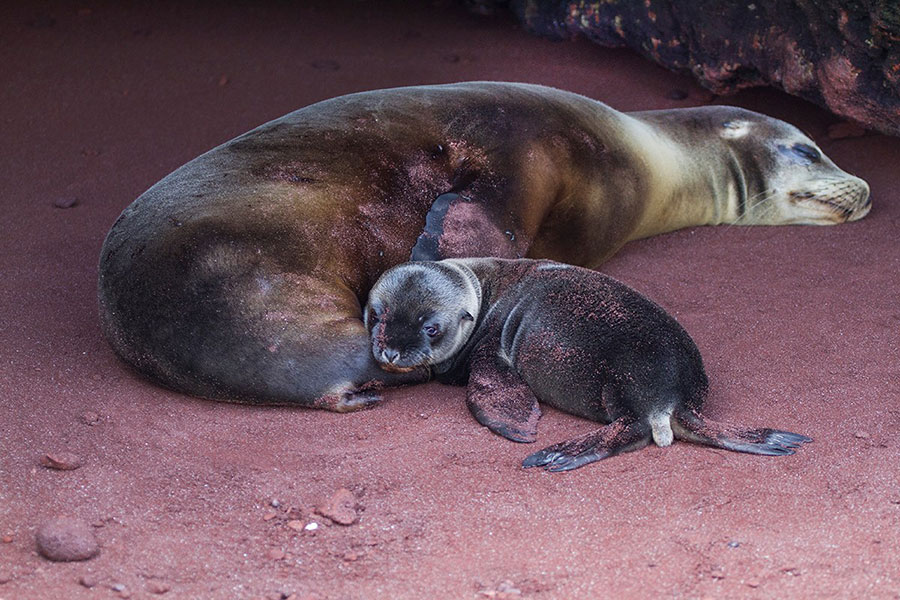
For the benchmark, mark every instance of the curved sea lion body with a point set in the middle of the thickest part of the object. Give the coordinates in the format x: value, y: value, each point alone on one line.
x: 240, y: 275
x: 520, y: 332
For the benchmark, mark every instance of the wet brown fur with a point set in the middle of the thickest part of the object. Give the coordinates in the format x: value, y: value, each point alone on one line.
x: 240, y: 276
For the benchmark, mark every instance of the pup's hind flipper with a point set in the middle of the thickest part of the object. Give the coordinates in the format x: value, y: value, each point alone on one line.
x: 622, y: 435
x: 693, y: 427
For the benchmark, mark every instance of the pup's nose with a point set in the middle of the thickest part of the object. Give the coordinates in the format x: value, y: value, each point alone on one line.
x: 390, y: 355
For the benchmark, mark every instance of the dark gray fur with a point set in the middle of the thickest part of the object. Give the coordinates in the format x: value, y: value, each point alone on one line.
x: 566, y: 336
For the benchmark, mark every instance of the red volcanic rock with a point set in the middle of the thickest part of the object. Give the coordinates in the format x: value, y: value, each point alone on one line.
x: 340, y: 508
x: 66, y: 539
x: 61, y: 461
x: 843, y: 56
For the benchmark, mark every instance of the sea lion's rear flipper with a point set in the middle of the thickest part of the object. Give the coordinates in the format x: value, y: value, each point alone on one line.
x: 501, y: 401
x: 693, y: 427
x: 623, y: 435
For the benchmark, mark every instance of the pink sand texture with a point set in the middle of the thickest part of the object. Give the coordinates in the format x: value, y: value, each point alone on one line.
x: 195, y: 499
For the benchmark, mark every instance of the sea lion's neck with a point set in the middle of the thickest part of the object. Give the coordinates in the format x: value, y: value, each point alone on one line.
x: 476, y: 309
x: 692, y: 184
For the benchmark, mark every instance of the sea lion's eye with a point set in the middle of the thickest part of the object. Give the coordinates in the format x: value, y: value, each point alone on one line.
x: 806, y: 151
x: 431, y: 330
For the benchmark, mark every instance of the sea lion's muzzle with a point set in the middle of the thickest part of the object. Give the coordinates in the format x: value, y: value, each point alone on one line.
x: 387, y: 359
x: 835, y: 200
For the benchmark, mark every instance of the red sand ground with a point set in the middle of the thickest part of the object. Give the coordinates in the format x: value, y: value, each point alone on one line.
x: 799, y: 327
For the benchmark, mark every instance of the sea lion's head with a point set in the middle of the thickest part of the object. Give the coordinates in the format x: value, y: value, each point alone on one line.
x: 421, y: 314
x: 781, y: 176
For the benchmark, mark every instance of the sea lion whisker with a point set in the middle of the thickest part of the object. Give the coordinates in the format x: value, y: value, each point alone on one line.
x: 753, y: 202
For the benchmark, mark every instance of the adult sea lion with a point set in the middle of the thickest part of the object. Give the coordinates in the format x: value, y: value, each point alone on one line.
x: 522, y: 331
x: 241, y: 275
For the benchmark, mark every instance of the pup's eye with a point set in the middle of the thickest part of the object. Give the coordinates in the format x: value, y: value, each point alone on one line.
x: 806, y: 151
x: 431, y: 330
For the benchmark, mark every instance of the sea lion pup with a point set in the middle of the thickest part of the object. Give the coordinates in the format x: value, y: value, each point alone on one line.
x: 241, y: 275
x: 523, y: 331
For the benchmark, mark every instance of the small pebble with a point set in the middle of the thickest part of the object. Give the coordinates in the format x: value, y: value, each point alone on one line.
x: 275, y: 503
x: 90, y: 418
x: 66, y: 539
x: 351, y: 556
x: 311, y: 526
x: 88, y: 580
x: 506, y: 590
x: 158, y: 587
x: 734, y: 544
x: 270, y: 515
x: 754, y: 583
x: 296, y: 525
x: 275, y: 554
x: 340, y: 508
x: 5, y: 578
x: 7, y: 539
x: 66, y: 202
x: 61, y: 461
x: 861, y: 435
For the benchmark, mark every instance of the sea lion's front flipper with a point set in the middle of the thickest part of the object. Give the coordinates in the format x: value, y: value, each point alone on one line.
x: 457, y: 226
x: 622, y: 435
x: 501, y: 401
x: 426, y: 247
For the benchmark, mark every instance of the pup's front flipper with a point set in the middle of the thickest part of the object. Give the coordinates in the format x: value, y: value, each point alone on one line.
x: 622, y: 435
x: 501, y: 401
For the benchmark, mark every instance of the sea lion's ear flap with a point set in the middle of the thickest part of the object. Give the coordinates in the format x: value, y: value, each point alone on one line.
x: 735, y: 129
x: 467, y: 316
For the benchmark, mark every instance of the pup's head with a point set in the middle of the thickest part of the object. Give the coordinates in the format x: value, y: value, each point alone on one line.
x: 421, y: 314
